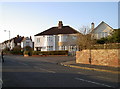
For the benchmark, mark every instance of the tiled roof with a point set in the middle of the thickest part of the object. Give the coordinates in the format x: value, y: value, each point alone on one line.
x: 56, y: 31
x: 18, y: 40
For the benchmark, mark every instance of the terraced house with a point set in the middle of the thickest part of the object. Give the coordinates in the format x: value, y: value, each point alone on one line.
x: 56, y: 38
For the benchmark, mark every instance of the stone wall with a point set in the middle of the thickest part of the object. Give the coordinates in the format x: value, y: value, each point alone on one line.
x: 104, y: 57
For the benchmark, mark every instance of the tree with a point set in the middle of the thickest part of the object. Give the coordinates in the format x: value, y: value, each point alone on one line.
x: 84, y: 40
x: 85, y: 29
x: 115, y: 36
x: 28, y: 49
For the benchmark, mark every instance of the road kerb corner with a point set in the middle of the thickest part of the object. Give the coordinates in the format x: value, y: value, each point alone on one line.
x: 94, y: 69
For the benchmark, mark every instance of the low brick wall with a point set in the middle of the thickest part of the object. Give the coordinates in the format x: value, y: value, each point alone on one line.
x: 104, y: 57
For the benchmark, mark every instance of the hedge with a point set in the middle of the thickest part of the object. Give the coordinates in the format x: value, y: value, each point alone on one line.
x: 50, y: 53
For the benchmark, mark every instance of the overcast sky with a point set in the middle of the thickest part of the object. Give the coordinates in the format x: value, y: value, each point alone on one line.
x: 30, y: 18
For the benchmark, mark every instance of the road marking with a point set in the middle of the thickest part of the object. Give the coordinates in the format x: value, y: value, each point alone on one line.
x: 93, y: 82
x: 116, y: 72
x: 44, y: 69
x: 23, y: 63
x: 100, y: 77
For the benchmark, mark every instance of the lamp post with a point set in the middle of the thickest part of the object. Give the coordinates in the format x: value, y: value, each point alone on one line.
x: 9, y: 33
x: 9, y: 36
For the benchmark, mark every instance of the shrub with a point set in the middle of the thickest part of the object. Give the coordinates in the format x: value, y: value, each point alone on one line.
x: 6, y: 50
x: 50, y: 52
x: 102, y: 41
x: 17, y: 50
x: 25, y: 52
x: 27, y: 48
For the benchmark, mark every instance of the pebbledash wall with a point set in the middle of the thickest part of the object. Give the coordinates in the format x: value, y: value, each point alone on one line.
x: 103, y: 57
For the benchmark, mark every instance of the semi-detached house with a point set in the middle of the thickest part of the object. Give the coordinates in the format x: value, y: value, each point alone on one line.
x: 56, y: 38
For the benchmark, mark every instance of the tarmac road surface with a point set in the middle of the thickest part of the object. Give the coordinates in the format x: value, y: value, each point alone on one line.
x: 19, y: 71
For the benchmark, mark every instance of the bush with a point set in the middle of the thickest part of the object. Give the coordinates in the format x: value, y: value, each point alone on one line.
x: 6, y: 50
x: 25, y: 52
x: 29, y: 53
x: 17, y: 50
x: 27, y: 48
x: 102, y: 41
x: 50, y: 52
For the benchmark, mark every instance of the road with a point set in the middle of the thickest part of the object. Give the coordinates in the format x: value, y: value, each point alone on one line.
x: 19, y: 71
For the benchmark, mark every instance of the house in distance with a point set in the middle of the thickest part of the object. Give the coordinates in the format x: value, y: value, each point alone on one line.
x: 20, y: 41
x: 101, y: 31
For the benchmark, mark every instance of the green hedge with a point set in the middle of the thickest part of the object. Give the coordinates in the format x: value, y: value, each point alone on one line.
x: 16, y: 52
x: 50, y: 53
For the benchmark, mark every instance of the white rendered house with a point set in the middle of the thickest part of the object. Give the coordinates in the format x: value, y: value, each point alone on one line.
x: 56, y: 38
x: 101, y: 31
x: 26, y: 42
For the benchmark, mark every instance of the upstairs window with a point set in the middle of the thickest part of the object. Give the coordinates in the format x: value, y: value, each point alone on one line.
x: 38, y: 40
x: 27, y: 43
x: 74, y: 37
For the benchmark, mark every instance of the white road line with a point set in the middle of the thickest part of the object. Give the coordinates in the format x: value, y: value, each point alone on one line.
x: 92, y: 82
x: 23, y: 63
x: 95, y: 76
x: 20, y: 62
x: 44, y: 69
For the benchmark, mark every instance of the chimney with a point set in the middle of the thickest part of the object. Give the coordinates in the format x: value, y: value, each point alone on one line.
x: 17, y: 36
x: 60, y: 25
x: 92, y: 26
x: 30, y: 38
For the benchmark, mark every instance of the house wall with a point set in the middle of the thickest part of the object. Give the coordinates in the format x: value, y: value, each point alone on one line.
x: 46, y: 42
x: 103, y: 57
x: 36, y: 42
x: 1, y: 48
x: 67, y: 41
x: 56, y: 42
x: 26, y: 43
x: 12, y: 44
x: 102, y: 31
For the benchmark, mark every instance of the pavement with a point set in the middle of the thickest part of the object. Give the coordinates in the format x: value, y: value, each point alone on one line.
x: 73, y: 64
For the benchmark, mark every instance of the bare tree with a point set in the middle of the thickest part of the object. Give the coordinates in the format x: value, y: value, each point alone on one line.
x: 84, y: 40
x: 85, y: 29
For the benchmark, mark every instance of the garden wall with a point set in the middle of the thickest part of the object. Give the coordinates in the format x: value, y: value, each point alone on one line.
x: 103, y: 57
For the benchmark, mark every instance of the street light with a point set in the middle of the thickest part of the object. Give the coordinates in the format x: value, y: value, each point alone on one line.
x: 9, y: 33
x: 9, y: 36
